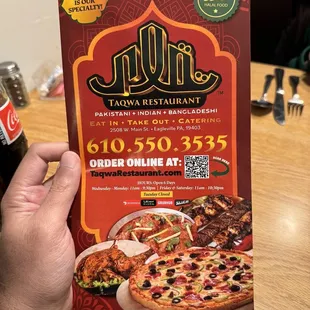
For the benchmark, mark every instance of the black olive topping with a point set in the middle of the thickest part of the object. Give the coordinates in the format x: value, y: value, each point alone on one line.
x: 176, y: 300
x: 233, y: 258
x: 222, y: 267
x: 152, y: 267
x: 194, y: 255
x: 195, y: 266
x: 237, y: 277
x: 169, y: 274
x: 171, y: 280
x: 162, y: 262
x: 246, y: 267
x: 171, y: 270
x: 166, y: 288
x: 212, y: 275
x: 156, y: 295
x: 235, y: 288
x: 189, y: 274
x: 171, y: 295
x: 208, y: 298
x: 177, y: 260
x: 146, y: 284
x: 153, y: 271
x: 208, y: 288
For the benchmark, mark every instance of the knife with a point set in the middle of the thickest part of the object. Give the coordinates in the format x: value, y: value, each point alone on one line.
x: 278, y: 108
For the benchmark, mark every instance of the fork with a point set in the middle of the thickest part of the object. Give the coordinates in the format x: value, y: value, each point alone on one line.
x: 295, y: 103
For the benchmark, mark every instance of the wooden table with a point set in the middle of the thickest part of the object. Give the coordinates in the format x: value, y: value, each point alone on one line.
x: 281, y: 192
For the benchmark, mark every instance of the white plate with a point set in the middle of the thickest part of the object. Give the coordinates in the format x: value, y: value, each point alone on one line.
x: 130, y: 248
x: 116, y: 228
x: 126, y: 302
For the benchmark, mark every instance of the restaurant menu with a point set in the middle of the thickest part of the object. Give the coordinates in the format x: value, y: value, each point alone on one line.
x: 157, y: 96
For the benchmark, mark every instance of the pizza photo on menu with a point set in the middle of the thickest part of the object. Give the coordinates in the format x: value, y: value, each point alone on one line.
x: 198, y: 278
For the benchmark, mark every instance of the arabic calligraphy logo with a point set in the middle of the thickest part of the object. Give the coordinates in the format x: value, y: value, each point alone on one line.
x: 153, y: 65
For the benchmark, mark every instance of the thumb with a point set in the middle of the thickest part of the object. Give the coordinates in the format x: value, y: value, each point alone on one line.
x: 65, y: 184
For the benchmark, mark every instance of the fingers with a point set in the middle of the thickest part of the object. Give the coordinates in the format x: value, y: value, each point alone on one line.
x: 64, y: 187
x: 48, y: 183
x: 34, y: 166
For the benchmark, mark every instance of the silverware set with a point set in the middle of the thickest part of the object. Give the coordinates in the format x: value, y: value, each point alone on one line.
x: 295, y: 104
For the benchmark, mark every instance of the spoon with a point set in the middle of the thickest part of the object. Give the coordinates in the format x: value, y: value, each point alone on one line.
x: 263, y: 102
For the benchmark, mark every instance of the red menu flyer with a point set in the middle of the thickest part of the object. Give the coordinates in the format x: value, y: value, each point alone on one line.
x: 157, y: 96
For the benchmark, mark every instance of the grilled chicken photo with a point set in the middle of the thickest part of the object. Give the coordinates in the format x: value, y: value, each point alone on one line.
x: 108, y: 268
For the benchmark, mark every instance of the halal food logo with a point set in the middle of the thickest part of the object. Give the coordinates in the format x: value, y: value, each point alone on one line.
x: 216, y: 10
x: 155, y: 73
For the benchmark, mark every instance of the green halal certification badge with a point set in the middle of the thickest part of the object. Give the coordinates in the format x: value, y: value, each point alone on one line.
x: 216, y: 10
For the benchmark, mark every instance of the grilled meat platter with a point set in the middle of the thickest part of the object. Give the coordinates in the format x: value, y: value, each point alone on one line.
x: 222, y: 221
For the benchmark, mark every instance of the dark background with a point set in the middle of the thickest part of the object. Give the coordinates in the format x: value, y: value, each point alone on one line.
x: 269, y: 19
